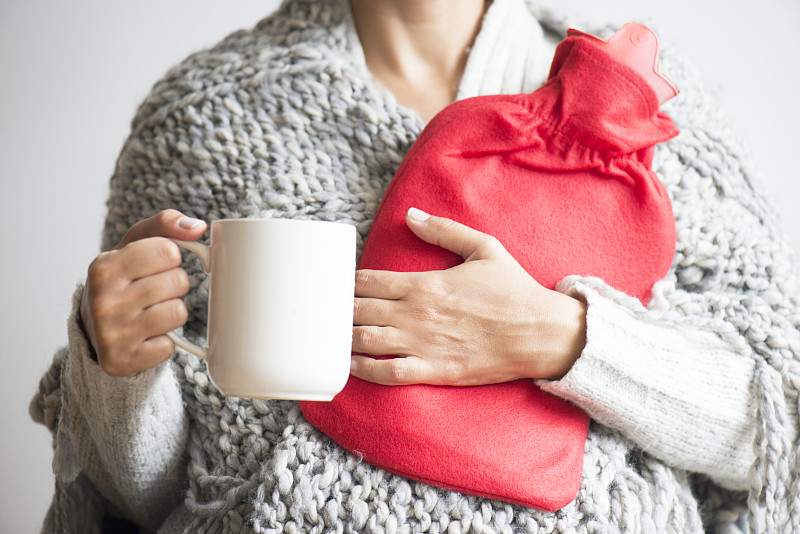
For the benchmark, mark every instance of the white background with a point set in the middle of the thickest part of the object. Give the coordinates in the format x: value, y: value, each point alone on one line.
x: 72, y: 74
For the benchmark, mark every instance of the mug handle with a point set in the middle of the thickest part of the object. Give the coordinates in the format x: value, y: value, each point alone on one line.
x: 204, y: 253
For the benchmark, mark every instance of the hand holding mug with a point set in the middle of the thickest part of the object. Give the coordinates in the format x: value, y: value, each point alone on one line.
x: 133, y: 294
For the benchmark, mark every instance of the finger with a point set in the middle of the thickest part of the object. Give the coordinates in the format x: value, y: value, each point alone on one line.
x: 391, y: 372
x: 467, y: 242
x: 378, y: 340
x: 147, y: 354
x: 373, y: 312
x: 162, y: 318
x: 147, y: 257
x: 167, y: 223
x: 160, y: 287
x: 387, y: 285
x: 154, y: 350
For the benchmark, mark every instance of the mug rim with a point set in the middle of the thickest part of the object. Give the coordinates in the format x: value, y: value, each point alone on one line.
x: 278, y: 220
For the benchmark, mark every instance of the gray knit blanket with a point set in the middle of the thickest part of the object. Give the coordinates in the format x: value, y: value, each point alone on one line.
x: 283, y: 120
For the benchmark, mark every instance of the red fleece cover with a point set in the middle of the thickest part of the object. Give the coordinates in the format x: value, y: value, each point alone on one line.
x: 562, y: 177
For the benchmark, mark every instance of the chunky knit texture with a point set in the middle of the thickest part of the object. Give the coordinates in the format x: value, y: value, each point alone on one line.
x: 285, y: 121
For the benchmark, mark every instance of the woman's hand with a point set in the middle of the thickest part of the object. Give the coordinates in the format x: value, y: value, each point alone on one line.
x: 484, y: 321
x: 133, y: 294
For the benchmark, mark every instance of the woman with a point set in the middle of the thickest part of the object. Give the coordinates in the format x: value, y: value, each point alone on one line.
x: 308, y: 115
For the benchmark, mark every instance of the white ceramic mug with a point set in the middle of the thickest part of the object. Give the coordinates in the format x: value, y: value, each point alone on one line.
x: 280, y: 307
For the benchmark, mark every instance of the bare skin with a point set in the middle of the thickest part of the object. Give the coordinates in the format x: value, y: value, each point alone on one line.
x: 483, y: 321
x: 418, y: 48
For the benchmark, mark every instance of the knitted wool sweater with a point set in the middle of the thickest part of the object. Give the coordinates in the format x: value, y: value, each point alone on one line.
x: 694, y: 399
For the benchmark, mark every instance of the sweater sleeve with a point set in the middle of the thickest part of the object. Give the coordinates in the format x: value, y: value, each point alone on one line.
x: 681, y: 393
x: 126, y: 435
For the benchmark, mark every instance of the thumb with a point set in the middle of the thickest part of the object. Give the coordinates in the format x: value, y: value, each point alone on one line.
x: 167, y: 223
x: 467, y: 242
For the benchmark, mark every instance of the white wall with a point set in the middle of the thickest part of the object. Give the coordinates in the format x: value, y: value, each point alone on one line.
x: 72, y: 73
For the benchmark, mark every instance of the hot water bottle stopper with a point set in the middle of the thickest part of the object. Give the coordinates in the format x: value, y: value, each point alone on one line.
x: 562, y: 177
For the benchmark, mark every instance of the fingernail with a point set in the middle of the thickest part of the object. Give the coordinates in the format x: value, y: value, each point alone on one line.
x: 417, y: 215
x: 353, y: 364
x: 187, y: 223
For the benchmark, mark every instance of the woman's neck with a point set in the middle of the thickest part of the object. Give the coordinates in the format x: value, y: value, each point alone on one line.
x: 418, y: 48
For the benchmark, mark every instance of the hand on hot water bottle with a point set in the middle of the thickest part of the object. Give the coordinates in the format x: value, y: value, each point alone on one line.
x: 562, y: 178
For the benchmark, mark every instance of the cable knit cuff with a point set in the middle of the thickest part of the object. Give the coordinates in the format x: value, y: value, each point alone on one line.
x: 640, y: 377
x: 83, y: 371
x: 126, y: 434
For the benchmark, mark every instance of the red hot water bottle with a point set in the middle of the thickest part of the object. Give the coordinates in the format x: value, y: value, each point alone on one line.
x: 562, y: 177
